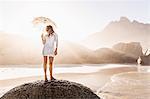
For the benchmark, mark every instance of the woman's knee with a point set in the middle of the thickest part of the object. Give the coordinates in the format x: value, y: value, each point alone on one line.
x: 50, y: 62
x: 45, y: 63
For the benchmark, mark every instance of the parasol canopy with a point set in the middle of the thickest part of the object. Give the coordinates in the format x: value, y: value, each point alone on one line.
x: 42, y: 22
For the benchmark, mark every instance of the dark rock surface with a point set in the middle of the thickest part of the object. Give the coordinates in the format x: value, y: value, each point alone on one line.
x: 55, y: 89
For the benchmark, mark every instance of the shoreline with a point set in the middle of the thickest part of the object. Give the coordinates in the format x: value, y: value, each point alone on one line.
x: 94, y: 80
x: 60, y: 65
x: 12, y: 72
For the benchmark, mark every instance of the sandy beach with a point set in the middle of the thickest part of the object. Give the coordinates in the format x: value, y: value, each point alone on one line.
x: 93, y: 80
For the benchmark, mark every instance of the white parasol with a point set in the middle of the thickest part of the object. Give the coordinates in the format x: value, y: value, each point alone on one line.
x: 42, y: 22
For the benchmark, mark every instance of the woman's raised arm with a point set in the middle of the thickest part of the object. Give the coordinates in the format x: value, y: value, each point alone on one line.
x: 43, y: 39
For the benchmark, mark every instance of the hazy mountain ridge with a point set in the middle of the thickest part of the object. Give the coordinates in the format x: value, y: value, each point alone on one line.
x: 120, y: 31
x: 16, y: 49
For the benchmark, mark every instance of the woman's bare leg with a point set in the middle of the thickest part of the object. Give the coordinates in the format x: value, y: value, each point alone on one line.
x: 45, y: 67
x: 51, y: 67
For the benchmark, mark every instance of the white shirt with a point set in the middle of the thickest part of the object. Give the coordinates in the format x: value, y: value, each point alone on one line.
x: 50, y: 44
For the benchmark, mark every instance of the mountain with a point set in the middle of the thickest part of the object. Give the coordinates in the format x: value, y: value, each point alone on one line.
x: 123, y: 30
x: 16, y: 49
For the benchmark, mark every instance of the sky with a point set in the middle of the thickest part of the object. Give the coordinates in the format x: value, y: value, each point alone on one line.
x: 75, y: 19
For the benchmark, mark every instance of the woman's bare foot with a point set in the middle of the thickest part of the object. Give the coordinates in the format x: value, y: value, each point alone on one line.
x: 53, y: 78
x: 46, y: 78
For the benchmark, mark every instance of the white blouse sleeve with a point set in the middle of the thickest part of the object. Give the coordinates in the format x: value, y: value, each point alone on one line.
x: 56, y: 40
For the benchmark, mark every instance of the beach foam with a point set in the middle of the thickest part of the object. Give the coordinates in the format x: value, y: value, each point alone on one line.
x: 129, y: 85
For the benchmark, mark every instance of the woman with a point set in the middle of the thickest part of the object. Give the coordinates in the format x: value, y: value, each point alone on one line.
x: 50, y: 42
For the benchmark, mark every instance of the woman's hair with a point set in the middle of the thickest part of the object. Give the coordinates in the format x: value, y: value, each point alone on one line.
x: 49, y: 27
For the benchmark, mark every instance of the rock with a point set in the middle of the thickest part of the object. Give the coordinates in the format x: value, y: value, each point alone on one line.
x: 132, y: 49
x: 55, y: 89
x: 108, y: 55
x: 145, y: 59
